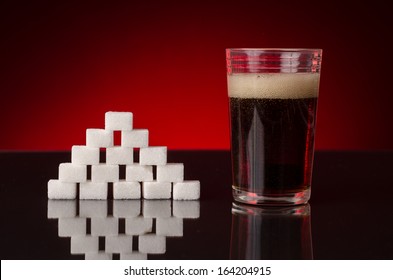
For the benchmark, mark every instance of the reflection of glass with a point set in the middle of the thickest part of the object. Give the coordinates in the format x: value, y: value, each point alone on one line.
x: 271, y: 232
x: 120, y: 229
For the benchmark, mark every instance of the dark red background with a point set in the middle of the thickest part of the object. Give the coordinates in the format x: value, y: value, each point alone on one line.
x: 64, y: 64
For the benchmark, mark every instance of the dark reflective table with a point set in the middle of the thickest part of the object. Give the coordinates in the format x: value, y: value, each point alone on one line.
x: 350, y: 214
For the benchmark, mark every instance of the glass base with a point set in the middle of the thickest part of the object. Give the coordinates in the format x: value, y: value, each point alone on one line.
x: 271, y: 200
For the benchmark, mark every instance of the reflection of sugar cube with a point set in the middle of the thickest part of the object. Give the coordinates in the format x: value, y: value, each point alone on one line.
x: 85, y: 155
x: 126, y: 208
x: 186, y: 209
x: 169, y: 226
x: 61, y: 190
x: 171, y: 172
x: 84, y: 244
x: 72, y: 227
x: 152, y: 244
x: 92, y: 190
x: 119, y: 155
x: 187, y: 190
x: 93, y: 208
x: 153, y: 156
x: 118, y: 120
x: 126, y: 190
x: 139, y: 173
x: 98, y: 256
x: 137, y: 138
x: 118, y: 244
x: 133, y: 256
x: 156, y: 208
x: 157, y: 190
x: 138, y: 225
x: 104, y: 173
x: 99, y: 138
x: 72, y: 173
x: 104, y: 226
x: 61, y: 208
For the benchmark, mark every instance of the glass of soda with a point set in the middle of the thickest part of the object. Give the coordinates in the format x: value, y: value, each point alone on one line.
x: 273, y: 96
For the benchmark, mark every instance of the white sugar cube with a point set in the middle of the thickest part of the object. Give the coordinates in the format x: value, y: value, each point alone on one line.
x: 61, y: 208
x: 84, y: 244
x: 137, y: 138
x: 126, y: 190
x: 118, y: 120
x: 152, y: 244
x: 98, y: 256
x: 104, y: 226
x: 93, y: 208
x: 187, y: 190
x: 139, y: 225
x: 171, y: 172
x: 93, y: 190
x: 156, y: 208
x: 157, y: 190
x: 153, y: 156
x: 118, y: 244
x: 169, y: 226
x: 119, y: 155
x: 104, y: 173
x: 72, y: 173
x: 133, y: 256
x: 99, y: 138
x: 126, y: 208
x: 139, y: 173
x: 187, y: 209
x: 61, y: 190
x: 85, y: 155
x: 71, y: 227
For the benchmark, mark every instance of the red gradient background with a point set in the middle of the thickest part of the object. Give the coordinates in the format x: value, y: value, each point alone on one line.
x: 64, y: 64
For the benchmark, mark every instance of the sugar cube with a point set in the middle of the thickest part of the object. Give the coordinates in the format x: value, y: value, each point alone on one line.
x: 118, y: 244
x: 156, y: 208
x: 169, y: 226
x: 187, y: 209
x: 93, y: 190
x: 171, y: 172
x: 126, y: 190
x: 152, y: 244
x: 126, y: 208
x: 84, y: 244
x: 72, y: 173
x: 61, y: 208
x: 139, y: 225
x: 119, y: 155
x: 101, y: 173
x: 71, y: 227
x: 104, y: 226
x: 93, y: 208
x: 153, y: 156
x: 61, y: 190
x: 187, y: 190
x: 139, y: 173
x: 136, y: 138
x: 118, y: 120
x: 99, y: 138
x: 157, y: 190
x: 85, y: 155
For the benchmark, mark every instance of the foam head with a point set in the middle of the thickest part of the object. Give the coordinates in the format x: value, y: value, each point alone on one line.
x: 273, y: 85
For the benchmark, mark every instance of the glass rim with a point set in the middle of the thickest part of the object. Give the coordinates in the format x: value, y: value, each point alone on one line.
x: 277, y: 49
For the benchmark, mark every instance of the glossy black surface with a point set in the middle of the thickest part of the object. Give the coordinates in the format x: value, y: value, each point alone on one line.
x: 350, y: 212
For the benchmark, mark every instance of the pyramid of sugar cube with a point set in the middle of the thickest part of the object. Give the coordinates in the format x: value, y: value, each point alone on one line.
x: 140, y: 180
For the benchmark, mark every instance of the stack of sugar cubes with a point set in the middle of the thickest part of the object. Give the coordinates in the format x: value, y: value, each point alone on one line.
x: 140, y: 181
